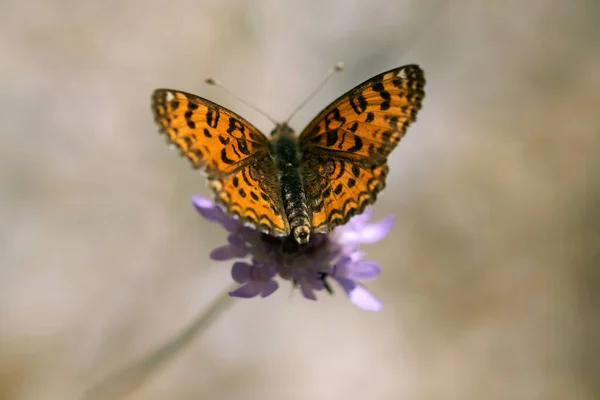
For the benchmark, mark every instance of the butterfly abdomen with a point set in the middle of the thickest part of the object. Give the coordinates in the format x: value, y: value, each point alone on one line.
x: 287, y: 159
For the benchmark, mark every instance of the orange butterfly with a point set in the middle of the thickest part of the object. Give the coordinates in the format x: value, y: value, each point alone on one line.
x: 291, y: 184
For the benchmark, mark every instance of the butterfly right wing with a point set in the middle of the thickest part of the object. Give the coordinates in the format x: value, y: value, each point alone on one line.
x: 345, y: 147
x: 233, y: 153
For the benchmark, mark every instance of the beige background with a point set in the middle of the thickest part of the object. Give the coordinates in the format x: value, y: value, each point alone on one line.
x: 490, y: 277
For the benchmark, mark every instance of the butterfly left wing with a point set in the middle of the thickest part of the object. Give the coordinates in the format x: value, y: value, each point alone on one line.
x: 233, y: 153
x: 345, y: 148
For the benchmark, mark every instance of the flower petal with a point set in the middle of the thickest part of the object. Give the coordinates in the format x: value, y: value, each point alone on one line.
x: 359, y: 296
x: 375, y: 232
x: 362, y: 219
x: 240, y: 272
x: 246, y: 291
x: 308, y: 285
x: 207, y: 208
x: 363, y: 270
x: 370, y: 233
x: 347, y: 284
x: 236, y: 240
x: 228, y: 252
x: 268, y: 288
x: 362, y: 298
x: 307, y: 292
x: 212, y: 212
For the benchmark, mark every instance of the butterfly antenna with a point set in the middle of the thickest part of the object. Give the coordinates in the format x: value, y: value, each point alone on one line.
x: 214, y: 82
x: 336, y: 68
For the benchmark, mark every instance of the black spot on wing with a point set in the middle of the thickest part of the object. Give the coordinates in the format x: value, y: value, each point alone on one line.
x: 226, y: 159
x: 392, y: 121
x: 235, y: 125
x: 336, y: 116
x: 358, y: 144
x: 341, y: 144
x: 245, y: 178
x: 332, y: 137
x: 198, y: 153
x: 188, y: 118
x: 385, y: 95
x: 387, y: 135
x: 188, y: 141
x: 243, y: 147
x: 342, y: 170
x: 235, y: 152
x: 212, y: 116
x: 358, y: 103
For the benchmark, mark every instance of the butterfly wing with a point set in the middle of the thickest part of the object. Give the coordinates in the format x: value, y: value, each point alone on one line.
x: 345, y: 148
x: 233, y: 153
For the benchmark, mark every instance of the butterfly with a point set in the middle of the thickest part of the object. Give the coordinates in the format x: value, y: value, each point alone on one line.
x: 292, y: 185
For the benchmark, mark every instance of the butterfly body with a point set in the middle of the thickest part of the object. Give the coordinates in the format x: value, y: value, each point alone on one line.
x: 297, y: 185
x: 288, y: 160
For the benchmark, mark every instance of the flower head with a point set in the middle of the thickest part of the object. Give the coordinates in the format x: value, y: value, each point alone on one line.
x: 310, y: 267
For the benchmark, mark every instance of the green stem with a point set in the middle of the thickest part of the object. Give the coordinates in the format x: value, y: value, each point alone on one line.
x: 121, y: 383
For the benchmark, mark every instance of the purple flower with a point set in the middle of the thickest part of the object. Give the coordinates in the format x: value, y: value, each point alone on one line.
x: 310, y: 267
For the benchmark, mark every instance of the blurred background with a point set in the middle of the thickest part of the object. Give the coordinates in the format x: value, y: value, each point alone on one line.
x: 490, y: 276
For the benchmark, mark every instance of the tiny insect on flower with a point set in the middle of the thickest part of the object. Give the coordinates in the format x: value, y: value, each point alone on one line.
x: 333, y: 256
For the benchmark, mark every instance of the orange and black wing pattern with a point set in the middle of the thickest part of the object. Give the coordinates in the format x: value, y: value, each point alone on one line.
x: 233, y: 153
x: 345, y: 148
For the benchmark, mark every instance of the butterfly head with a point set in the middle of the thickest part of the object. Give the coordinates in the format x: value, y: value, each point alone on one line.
x: 282, y: 129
